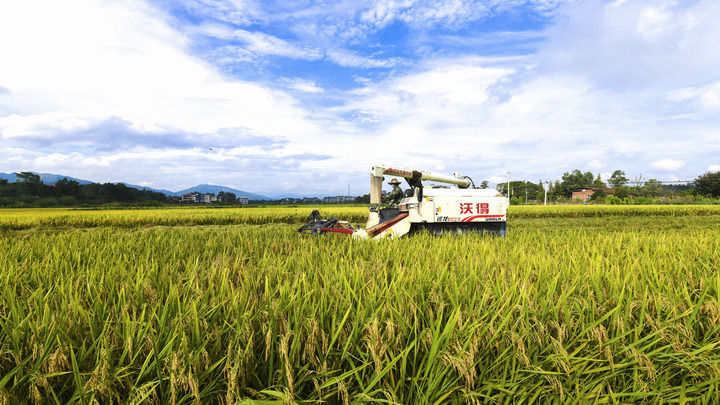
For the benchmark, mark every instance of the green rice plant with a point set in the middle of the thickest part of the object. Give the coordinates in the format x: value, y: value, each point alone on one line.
x: 99, y: 308
x: 59, y: 218
x: 17, y: 219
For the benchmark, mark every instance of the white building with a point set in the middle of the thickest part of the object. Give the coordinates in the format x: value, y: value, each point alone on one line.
x: 208, y: 198
x: 191, y: 198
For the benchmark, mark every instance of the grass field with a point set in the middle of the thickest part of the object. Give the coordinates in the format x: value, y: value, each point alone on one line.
x: 580, y: 303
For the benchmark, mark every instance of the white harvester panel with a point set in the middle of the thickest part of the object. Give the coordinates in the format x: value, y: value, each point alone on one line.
x: 469, y: 205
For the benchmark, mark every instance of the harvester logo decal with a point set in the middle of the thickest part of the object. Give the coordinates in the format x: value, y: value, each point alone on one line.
x: 480, y: 208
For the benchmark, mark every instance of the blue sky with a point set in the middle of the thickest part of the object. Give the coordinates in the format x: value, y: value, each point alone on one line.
x: 305, y: 96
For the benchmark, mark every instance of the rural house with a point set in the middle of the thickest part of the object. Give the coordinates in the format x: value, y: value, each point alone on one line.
x: 190, y: 198
x: 585, y: 193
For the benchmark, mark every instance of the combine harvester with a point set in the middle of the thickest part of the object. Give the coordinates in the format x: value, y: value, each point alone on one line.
x: 436, y: 209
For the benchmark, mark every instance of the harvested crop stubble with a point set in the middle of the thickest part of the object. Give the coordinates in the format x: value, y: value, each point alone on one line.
x: 559, y: 311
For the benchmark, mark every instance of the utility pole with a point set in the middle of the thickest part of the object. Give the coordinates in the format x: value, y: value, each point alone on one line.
x: 525, y: 192
x: 546, y: 190
x: 508, y: 187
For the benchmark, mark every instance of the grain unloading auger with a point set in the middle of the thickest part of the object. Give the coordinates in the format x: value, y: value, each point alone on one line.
x: 436, y: 209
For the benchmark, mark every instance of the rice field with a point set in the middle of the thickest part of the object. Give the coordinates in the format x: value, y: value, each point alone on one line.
x: 56, y: 218
x: 590, y: 304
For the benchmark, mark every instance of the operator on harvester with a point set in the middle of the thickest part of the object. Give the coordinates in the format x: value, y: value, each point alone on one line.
x: 392, y: 199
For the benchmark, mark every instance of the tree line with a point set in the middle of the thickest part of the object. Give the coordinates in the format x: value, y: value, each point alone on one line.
x: 30, y: 191
x: 617, y: 188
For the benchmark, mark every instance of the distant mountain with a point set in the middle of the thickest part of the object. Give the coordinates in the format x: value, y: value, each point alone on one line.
x: 157, y: 190
x: 278, y: 196
x: 49, y: 178
x: 211, y: 188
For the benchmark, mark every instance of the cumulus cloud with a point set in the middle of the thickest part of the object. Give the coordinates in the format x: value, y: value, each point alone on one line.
x: 239, y: 12
x: 705, y: 97
x: 713, y: 168
x: 126, y: 62
x: 447, y: 12
x: 333, y: 28
x: 595, y: 164
x: 260, y: 43
x: 452, y: 13
x: 116, y: 92
x: 487, y: 118
x: 257, y: 44
x: 344, y: 57
x: 307, y: 86
x: 636, y: 44
x: 117, y: 76
x: 669, y: 165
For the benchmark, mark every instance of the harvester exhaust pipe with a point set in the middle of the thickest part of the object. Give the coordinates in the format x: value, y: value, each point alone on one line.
x: 376, y: 189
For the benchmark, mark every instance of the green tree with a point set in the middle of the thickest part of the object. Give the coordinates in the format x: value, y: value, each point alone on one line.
x: 598, y: 182
x: 555, y: 190
x: 573, y: 181
x: 622, y: 192
x: 226, y: 197
x: 28, y: 177
x: 363, y: 199
x: 599, y: 196
x: 520, y: 189
x: 652, y: 187
x: 484, y: 184
x: 708, y: 184
x: 65, y: 187
x: 617, y: 179
x: 116, y: 192
x: 29, y: 183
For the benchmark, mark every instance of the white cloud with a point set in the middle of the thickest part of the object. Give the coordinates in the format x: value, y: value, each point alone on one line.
x: 416, y: 13
x: 683, y: 94
x: 347, y: 58
x: 665, y: 44
x: 76, y: 65
x: 448, y: 13
x: 481, y: 118
x: 705, y: 97
x: 110, y: 60
x: 710, y: 96
x: 239, y: 12
x: 497, y: 179
x: 136, y: 77
x: 596, y: 164
x: 669, y: 165
x: 307, y: 86
x: 440, y: 93
x: 713, y: 168
x: 260, y: 43
x: 652, y: 22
